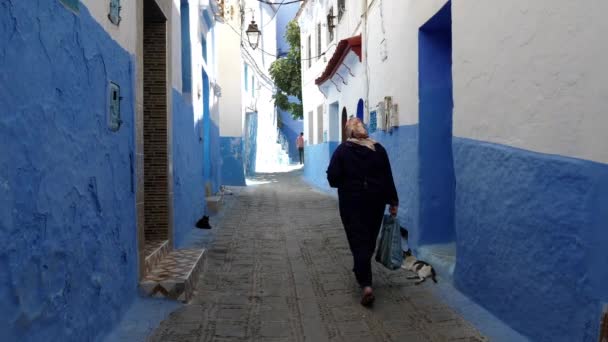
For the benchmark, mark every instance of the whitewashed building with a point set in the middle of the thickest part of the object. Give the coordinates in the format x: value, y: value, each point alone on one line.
x: 493, y: 114
x: 248, y: 120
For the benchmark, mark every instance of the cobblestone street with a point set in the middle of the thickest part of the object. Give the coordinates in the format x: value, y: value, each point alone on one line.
x: 280, y: 270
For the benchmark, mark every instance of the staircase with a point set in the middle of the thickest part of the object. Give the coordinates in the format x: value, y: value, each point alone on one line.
x: 170, y: 273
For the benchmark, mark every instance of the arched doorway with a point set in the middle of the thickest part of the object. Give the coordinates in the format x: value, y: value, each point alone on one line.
x: 344, y: 118
x: 360, y: 109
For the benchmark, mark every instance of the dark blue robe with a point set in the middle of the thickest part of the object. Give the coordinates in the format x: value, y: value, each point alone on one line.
x: 365, y: 186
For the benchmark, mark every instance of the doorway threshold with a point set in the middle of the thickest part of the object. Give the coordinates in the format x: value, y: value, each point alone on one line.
x: 441, y: 256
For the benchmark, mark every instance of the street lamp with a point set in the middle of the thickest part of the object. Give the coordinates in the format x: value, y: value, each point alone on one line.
x: 253, y: 34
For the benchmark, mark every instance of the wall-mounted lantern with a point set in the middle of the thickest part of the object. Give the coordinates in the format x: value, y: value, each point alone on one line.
x: 253, y: 34
x: 114, y: 14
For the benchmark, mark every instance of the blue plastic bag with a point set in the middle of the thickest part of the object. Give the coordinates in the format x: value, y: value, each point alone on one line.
x: 388, y: 251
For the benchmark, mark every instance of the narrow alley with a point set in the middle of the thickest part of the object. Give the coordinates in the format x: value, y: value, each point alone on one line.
x: 163, y: 170
x: 279, y: 270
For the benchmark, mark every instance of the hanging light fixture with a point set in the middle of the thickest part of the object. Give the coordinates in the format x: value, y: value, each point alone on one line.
x: 253, y: 34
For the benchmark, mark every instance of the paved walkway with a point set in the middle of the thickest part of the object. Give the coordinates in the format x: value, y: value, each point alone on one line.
x: 280, y: 270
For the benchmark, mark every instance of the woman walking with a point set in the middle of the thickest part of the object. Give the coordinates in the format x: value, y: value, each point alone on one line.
x: 361, y: 171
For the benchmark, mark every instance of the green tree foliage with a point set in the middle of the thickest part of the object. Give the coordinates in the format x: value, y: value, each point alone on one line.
x: 286, y: 73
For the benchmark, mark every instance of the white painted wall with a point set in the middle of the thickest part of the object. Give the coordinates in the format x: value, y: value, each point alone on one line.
x: 316, y: 12
x: 235, y: 100
x: 230, y: 76
x: 391, y: 31
x: 125, y: 33
x: 533, y: 74
x: 393, y: 26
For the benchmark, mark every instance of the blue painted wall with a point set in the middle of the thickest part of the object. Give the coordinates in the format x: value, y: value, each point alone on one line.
x: 216, y: 157
x: 250, y: 143
x: 291, y: 129
x: 233, y: 172
x: 67, y: 204
x: 316, y: 161
x: 437, y: 183
x: 532, y: 238
x: 186, y: 47
x: 286, y: 13
x: 402, y: 147
x: 188, y: 180
x: 360, y: 109
x: 211, y: 142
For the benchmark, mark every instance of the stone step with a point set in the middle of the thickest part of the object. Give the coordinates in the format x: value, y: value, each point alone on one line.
x: 155, y: 251
x: 175, y: 276
x: 214, y: 203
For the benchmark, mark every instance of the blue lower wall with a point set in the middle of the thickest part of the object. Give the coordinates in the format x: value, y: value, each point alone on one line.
x: 233, y: 172
x: 188, y: 181
x: 316, y: 161
x: 68, y: 255
x: 250, y: 142
x: 216, y: 157
x: 402, y: 147
x: 530, y: 231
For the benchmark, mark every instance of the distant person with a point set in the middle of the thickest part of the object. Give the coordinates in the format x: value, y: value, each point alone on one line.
x: 300, y: 144
x: 361, y: 171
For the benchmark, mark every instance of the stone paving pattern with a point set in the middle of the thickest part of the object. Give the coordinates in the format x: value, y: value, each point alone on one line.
x: 280, y: 270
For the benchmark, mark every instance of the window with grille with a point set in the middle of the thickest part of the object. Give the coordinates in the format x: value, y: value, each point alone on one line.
x: 341, y: 9
x: 330, y: 25
x: 320, y: 124
x: 311, y: 117
x: 309, y: 51
x: 318, y: 41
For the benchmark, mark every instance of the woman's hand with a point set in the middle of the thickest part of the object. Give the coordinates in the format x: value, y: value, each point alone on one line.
x: 393, y: 210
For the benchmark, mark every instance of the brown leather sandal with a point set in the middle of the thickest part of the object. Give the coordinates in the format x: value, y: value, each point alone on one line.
x: 367, y: 299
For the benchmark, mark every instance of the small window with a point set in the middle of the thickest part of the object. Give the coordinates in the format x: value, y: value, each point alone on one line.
x: 341, y: 9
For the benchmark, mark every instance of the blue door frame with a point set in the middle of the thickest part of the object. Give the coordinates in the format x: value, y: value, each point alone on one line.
x: 436, y: 177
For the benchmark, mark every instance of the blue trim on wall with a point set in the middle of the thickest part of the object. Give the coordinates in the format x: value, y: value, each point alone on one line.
x: 250, y: 142
x: 68, y: 250
x: 360, y: 109
x: 233, y: 172
x: 207, y: 19
x: 316, y: 161
x: 186, y: 49
x: 216, y: 158
x: 188, y: 180
x: 437, y: 183
x: 291, y: 129
x: 211, y: 142
x: 532, y: 238
x: 402, y: 147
